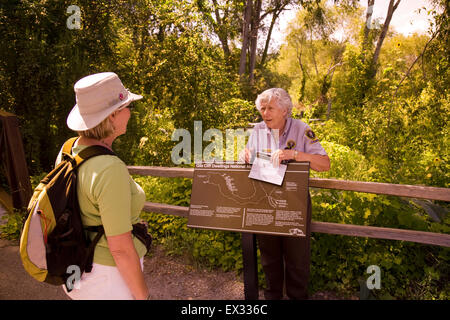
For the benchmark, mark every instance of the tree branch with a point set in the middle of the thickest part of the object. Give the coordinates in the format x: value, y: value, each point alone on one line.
x: 391, y: 9
x: 418, y: 57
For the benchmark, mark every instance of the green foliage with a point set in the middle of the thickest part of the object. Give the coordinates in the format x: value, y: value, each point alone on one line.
x: 409, y: 270
x: 388, y: 126
x: 40, y: 61
x: 346, y: 164
x: 212, y: 249
x: 406, y: 267
x: 11, y: 224
x: 148, y: 137
x: 237, y: 113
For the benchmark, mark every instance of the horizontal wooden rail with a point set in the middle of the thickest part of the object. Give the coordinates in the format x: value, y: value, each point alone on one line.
x: 400, y: 190
x: 166, y: 209
x: 438, y: 239
x: 167, y: 172
x: 433, y: 238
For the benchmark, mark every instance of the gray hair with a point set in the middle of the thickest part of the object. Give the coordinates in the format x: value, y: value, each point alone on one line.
x: 282, y: 98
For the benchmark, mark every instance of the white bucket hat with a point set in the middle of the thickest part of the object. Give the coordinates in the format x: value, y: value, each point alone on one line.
x: 97, y: 96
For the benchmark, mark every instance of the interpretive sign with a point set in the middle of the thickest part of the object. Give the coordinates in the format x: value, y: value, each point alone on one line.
x: 225, y: 198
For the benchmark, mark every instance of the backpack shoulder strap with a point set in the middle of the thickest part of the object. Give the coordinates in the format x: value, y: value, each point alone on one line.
x: 85, y: 154
x: 92, y: 151
x: 67, y: 147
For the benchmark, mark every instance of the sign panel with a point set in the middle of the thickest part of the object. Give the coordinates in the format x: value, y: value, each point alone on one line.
x: 225, y: 198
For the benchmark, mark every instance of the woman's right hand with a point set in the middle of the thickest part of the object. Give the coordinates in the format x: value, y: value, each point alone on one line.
x: 246, y: 155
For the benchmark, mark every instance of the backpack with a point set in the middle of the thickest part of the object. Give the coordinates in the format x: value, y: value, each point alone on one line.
x: 53, y: 240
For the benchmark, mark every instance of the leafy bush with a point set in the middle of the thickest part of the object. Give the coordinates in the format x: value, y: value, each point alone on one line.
x: 212, y: 249
x: 11, y: 225
x: 346, y: 164
x: 338, y: 260
x: 339, y: 263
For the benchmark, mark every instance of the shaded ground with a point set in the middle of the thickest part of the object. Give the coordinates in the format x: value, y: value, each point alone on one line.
x: 169, y: 278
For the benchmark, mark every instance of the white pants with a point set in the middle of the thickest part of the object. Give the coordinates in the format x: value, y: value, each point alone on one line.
x: 102, y: 283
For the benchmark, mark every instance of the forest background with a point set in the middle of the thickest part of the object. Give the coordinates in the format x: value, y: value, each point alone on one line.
x: 378, y: 101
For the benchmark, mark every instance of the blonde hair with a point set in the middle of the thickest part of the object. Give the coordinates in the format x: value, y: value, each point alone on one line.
x: 101, y: 131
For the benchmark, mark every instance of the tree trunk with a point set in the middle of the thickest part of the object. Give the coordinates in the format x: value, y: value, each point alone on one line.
x: 279, y: 8
x: 254, y: 40
x: 269, y: 35
x: 224, y: 41
x: 313, y: 54
x: 245, y: 36
x: 329, y: 109
x: 304, y: 74
x: 391, y: 9
x: 221, y: 31
x: 367, y: 26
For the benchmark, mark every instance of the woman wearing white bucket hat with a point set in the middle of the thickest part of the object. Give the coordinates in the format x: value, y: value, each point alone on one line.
x: 107, y: 194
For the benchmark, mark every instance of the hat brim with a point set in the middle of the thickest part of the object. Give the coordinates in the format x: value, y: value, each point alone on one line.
x: 81, y: 122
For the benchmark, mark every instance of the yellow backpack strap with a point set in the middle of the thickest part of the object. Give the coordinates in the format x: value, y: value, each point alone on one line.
x: 67, y: 147
x: 92, y: 151
x: 87, y: 153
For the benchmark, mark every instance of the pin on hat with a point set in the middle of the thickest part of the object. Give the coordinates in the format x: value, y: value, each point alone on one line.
x: 97, y: 96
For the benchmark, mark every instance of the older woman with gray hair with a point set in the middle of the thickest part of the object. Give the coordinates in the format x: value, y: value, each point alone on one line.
x: 286, y: 139
x: 296, y: 140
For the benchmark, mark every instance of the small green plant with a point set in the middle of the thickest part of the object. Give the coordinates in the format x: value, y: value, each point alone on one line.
x: 11, y: 225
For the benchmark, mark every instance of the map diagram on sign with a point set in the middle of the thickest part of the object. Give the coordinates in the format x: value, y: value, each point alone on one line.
x: 244, y: 193
x: 224, y: 197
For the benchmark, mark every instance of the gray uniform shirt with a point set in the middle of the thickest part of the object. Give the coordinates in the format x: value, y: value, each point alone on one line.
x: 296, y: 136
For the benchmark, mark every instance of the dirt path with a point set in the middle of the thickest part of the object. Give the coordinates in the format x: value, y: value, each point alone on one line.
x: 168, y: 277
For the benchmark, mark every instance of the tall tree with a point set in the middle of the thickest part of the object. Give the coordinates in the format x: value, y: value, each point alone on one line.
x: 393, y: 4
x: 280, y: 6
x: 245, y: 36
x: 391, y: 9
x: 254, y: 30
x: 224, y: 17
x: 315, y: 53
x: 256, y: 11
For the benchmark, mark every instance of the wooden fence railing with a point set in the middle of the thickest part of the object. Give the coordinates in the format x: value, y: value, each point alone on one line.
x: 432, y: 193
x: 249, y: 241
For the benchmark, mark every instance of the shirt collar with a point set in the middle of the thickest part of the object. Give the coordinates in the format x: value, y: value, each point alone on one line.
x: 287, y: 127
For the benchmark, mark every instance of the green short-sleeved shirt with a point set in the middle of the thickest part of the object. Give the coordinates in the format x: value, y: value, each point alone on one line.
x: 108, y: 196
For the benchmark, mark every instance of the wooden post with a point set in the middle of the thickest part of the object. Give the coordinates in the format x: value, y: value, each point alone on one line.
x: 13, y: 157
x: 250, y: 266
